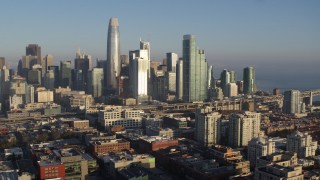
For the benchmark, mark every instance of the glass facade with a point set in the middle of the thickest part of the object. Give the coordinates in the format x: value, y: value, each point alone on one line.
x: 113, y: 54
x: 248, y: 80
x: 195, y: 66
x: 65, y: 74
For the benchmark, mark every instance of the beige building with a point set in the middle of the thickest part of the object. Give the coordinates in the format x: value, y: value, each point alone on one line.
x: 157, y: 131
x: 80, y: 124
x: 302, y: 144
x: 76, y: 123
x: 283, y: 159
x: 243, y: 127
x: 129, y: 118
x: 207, y: 126
x: 121, y: 160
x: 44, y: 96
x: 232, y: 90
x: 15, y: 101
x: 276, y: 172
x: 58, y: 93
x: 260, y: 147
x: 229, y: 156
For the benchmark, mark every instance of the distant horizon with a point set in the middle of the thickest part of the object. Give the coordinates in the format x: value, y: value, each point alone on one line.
x: 280, y: 39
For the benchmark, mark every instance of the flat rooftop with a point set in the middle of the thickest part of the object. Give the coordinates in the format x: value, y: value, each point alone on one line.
x: 66, y: 152
x: 107, y: 141
x: 123, y: 156
x: 151, y: 139
x: 49, y: 162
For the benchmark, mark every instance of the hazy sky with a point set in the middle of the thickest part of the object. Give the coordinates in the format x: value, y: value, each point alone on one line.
x: 280, y: 38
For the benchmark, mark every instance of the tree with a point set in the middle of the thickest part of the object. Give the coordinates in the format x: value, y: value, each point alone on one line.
x: 43, y: 136
x: 55, y: 134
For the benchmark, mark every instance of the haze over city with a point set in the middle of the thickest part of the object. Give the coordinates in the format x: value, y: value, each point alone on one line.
x: 160, y: 90
x: 279, y: 38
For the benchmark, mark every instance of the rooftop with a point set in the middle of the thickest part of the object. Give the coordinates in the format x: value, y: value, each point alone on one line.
x: 151, y: 139
x: 14, y: 150
x: 6, y: 166
x: 66, y: 152
x: 123, y: 156
x: 108, y: 141
x: 49, y: 162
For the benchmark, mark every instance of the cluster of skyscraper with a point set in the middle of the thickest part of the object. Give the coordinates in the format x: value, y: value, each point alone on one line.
x: 187, y: 79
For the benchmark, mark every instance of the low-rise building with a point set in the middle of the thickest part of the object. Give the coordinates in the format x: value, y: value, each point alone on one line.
x: 258, y: 147
x: 13, y: 153
x: 129, y: 118
x: 284, y: 159
x: 306, y: 162
x: 185, y: 163
x: 230, y: 157
x: 117, y: 161
x: 302, y: 144
x: 50, y: 169
x: 157, y: 131
x: 44, y: 96
x: 148, y: 144
x: 26, y: 169
x: 277, y: 172
x: 107, y: 146
x: 76, y: 123
x: 75, y: 166
x: 175, y: 123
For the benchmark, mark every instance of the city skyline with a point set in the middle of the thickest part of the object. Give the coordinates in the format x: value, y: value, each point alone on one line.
x: 277, y: 38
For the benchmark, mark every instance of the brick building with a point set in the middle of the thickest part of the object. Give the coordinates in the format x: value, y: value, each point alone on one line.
x: 107, y: 146
x: 51, y: 169
x: 154, y: 143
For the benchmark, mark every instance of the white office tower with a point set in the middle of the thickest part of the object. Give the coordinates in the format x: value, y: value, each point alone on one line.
x: 207, y: 126
x: 210, y: 76
x: 145, y: 45
x: 258, y: 147
x: 139, y: 66
x: 302, y: 144
x: 5, y: 74
x: 232, y: 89
x: 243, y: 127
x: 95, y: 82
x: 179, y: 80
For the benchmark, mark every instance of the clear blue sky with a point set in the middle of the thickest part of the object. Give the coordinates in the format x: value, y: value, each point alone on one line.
x: 277, y: 37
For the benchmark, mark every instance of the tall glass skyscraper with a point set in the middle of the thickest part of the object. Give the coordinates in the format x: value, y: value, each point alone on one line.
x: 225, y: 79
x: 249, y: 80
x: 113, y: 55
x: 195, y: 87
x: 65, y: 74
